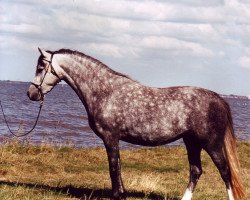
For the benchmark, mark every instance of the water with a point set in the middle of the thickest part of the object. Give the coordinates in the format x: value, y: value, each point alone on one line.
x: 64, y: 120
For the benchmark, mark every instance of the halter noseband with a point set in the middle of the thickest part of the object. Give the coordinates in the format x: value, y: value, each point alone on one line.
x: 50, y: 69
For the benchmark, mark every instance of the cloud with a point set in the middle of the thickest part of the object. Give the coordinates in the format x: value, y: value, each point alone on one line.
x: 94, y: 21
x: 105, y: 49
x: 245, y: 62
x: 174, y: 45
x: 21, y: 28
x: 200, y: 3
x: 134, y: 34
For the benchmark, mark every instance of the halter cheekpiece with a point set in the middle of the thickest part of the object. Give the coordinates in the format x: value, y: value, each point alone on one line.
x: 50, y: 69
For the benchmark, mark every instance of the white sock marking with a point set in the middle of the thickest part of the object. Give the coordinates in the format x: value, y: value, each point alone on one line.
x: 188, y: 195
x: 230, y: 193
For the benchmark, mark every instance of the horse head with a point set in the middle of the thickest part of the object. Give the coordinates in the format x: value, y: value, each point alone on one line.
x: 45, y: 77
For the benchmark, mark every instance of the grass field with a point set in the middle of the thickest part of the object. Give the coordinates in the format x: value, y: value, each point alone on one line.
x: 47, y: 172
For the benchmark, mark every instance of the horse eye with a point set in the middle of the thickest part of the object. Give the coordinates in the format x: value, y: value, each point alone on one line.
x: 40, y: 69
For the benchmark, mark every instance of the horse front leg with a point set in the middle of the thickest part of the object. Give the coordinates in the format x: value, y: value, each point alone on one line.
x: 115, y: 170
x: 194, y: 158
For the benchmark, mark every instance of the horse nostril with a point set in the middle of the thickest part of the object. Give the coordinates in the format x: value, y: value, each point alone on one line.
x: 28, y: 93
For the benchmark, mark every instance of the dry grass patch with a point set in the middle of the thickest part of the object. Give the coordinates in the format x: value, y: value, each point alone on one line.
x: 47, y: 172
x: 148, y: 183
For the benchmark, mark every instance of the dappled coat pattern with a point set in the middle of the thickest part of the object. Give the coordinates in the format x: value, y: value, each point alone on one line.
x: 120, y: 108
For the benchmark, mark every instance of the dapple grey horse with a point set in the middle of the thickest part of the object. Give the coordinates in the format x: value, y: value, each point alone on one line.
x: 120, y: 108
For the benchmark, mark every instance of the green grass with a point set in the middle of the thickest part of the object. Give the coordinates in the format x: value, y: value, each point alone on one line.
x: 48, y: 172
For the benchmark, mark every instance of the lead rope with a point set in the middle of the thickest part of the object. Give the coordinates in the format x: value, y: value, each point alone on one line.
x: 24, y: 134
x: 41, y: 102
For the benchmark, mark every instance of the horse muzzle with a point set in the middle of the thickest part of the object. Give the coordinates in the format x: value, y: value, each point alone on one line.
x: 34, y: 93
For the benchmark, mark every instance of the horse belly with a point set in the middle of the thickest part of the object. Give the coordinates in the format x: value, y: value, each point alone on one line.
x: 152, y: 134
x: 152, y: 127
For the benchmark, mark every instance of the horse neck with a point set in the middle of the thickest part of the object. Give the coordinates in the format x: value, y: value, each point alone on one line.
x: 90, y: 79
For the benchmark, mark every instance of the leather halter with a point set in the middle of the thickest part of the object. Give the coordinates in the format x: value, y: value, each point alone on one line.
x: 49, y: 69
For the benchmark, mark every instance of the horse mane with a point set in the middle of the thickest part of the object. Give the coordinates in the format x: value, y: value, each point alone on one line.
x: 77, y: 53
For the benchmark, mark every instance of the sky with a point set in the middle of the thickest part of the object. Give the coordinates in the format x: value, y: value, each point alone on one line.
x: 159, y: 43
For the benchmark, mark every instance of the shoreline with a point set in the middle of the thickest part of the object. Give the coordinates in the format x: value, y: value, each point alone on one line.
x: 229, y: 96
x: 69, y: 144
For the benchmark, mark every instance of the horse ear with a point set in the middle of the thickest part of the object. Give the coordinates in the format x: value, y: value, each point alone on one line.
x: 39, y: 50
x: 45, y: 54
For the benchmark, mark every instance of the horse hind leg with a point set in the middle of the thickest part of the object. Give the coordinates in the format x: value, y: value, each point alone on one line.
x: 220, y: 161
x: 195, y: 170
x: 225, y: 159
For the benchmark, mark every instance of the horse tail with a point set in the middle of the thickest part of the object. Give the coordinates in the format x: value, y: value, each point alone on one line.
x: 232, y: 158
